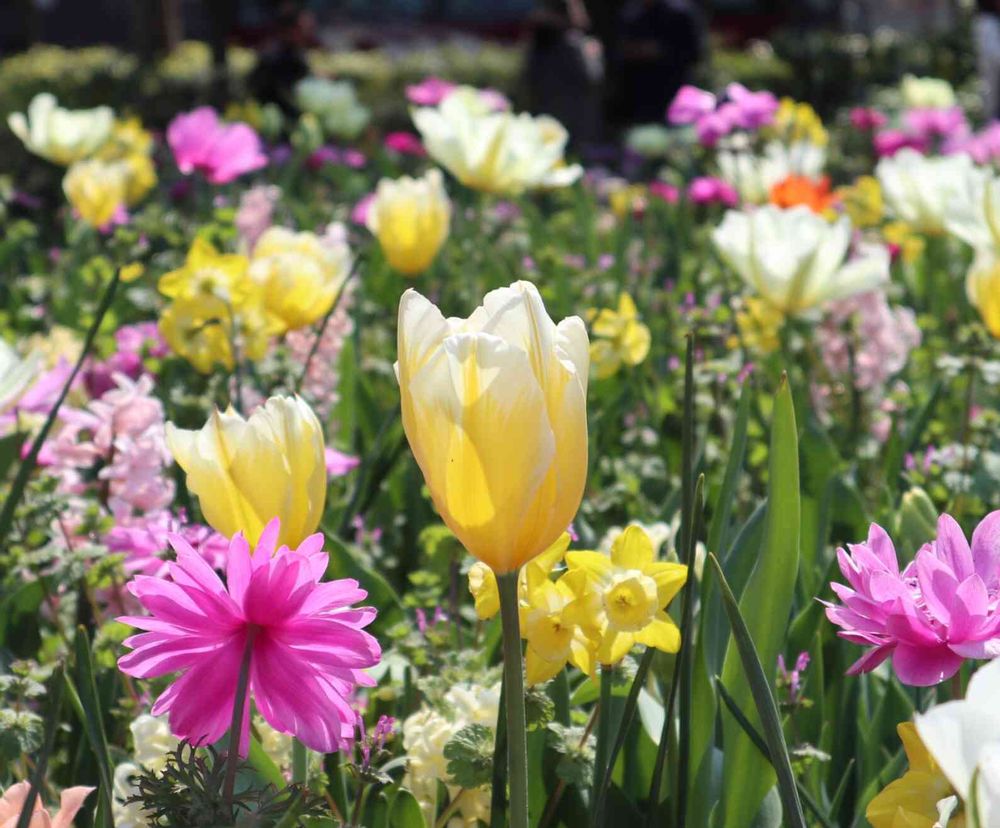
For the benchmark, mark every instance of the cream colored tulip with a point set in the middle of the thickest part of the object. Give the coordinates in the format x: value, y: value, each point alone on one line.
x: 494, y: 407
x: 61, y: 135
x: 246, y: 472
x: 496, y: 152
x: 920, y: 190
x: 300, y: 274
x: 410, y: 219
x: 796, y: 260
x: 929, y: 93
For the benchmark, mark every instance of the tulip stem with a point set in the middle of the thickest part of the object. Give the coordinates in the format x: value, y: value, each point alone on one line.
x: 517, y: 745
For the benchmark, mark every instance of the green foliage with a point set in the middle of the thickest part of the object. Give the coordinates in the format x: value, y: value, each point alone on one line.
x: 470, y: 756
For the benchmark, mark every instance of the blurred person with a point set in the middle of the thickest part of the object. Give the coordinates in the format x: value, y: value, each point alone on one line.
x: 987, y: 39
x: 564, y: 69
x: 660, y: 44
x: 282, y: 63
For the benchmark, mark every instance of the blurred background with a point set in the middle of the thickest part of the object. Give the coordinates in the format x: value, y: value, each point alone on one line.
x: 597, y: 65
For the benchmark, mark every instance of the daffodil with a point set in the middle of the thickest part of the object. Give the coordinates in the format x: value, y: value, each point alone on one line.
x: 246, y: 472
x: 760, y: 325
x: 863, y: 201
x: 912, y: 800
x: 621, y: 339
x: 410, y: 217
x: 901, y: 235
x: 300, y: 275
x: 621, y: 598
x: 207, y: 273
x: 483, y: 581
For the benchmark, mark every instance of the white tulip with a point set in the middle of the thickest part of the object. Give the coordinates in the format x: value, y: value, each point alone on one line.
x: 920, y: 190
x: 61, y: 135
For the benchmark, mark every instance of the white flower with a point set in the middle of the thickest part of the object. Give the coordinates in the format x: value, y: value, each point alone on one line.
x: 497, y: 152
x: 932, y: 93
x: 335, y: 103
x: 753, y: 176
x: 61, y: 135
x: 964, y: 739
x: 920, y: 190
x: 152, y: 741
x: 796, y: 260
x: 15, y: 374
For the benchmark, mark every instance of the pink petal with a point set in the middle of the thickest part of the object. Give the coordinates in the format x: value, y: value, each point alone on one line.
x: 925, y: 666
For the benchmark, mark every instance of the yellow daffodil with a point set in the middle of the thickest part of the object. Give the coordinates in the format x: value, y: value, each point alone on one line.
x: 494, y: 408
x: 863, y: 201
x: 300, y: 275
x: 483, y: 581
x: 911, y: 245
x: 247, y: 472
x: 410, y: 218
x: 621, y: 338
x: 63, y: 136
x: 760, y: 325
x: 621, y: 599
x: 96, y: 189
x: 911, y: 801
x: 208, y: 273
x: 983, y: 288
x: 131, y: 272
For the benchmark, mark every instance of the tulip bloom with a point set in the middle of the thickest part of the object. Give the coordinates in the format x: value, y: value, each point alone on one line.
x: 61, y: 135
x: 494, y: 407
x: 97, y: 191
x: 247, y: 472
x: 410, y: 218
x: 921, y: 190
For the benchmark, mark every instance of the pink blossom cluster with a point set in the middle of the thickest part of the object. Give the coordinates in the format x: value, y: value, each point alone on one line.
x: 982, y: 146
x: 432, y: 90
x: 743, y: 109
x: 335, y: 156
x: 924, y: 130
x: 938, y: 611
x: 202, y: 142
x: 134, y: 344
x: 255, y: 213
x: 707, y: 189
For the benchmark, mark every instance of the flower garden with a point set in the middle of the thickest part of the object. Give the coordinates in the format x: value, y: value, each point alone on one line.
x: 428, y: 474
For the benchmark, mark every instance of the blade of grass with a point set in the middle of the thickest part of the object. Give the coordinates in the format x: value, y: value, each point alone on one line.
x: 723, y: 507
x: 55, y: 694
x: 767, y: 709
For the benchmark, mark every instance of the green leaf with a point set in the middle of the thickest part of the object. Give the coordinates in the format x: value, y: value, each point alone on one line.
x: 345, y: 562
x: 405, y: 811
x: 264, y: 765
x: 470, y: 756
x: 758, y: 688
x: 723, y: 506
x: 766, y: 605
x: 55, y: 694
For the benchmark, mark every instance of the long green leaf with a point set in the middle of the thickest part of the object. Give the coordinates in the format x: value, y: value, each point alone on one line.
x: 722, y: 508
x: 759, y: 690
x: 766, y: 605
x: 55, y: 694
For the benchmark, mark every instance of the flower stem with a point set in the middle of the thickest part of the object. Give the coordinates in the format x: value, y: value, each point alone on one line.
x: 603, y: 735
x: 300, y: 762
x: 236, y: 725
x: 517, y: 743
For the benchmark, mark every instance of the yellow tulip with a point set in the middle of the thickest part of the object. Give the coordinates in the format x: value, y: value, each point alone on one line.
x: 621, y: 598
x: 96, y: 190
x: 621, y: 338
x: 299, y: 274
x: 247, y: 472
x: 494, y: 408
x: 983, y: 288
x: 410, y: 218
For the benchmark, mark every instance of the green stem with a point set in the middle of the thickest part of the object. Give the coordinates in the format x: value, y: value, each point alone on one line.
x: 603, y: 736
x: 236, y: 725
x: 300, y: 762
x: 517, y: 743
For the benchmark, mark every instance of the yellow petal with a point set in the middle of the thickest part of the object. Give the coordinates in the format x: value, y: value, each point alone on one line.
x: 632, y: 549
x: 661, y: 633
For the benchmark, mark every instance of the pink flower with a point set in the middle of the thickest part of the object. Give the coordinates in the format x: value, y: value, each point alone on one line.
x: 14, y: 798
x: 664, y: 191
x: 303, y: 639
x: 405, y: 143
x: 929, y: 122
x: 934, y: 614
x: 867, y: 118
x: 689, y: 105
x: 359, y: 213
x: 338, y: 464
x: 709, y: 190
x: 221, y: 152
x: 753, y: 109
x: 716, y: 125
x: 890, y: 141
x: 429, y: 92
x: 255, y: 212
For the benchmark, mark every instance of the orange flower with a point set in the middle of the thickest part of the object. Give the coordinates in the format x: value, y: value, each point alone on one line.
x: 800, y: 189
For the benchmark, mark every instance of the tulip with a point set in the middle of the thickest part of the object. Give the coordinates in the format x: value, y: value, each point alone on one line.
x: 245, y: 472
x: 61, y: 135
x: 921, y: 190
x: 983, y: 288
x: 926, y: 92
x: 796, y: 260
x: 97, y: 190
x: 300, y: 275
x: 410, y: 218
x: 496, y: 152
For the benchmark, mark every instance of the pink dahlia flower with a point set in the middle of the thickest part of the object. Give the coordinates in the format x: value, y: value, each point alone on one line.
x: 940, y: 610
x: 303, y: 639
x: 221, y: 152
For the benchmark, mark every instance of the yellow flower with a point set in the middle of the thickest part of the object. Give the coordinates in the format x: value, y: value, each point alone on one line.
x: 983, y: 288
x: 131, y: 272
x: 207, y: 273
x: 926, y: 92
x: 299, y: 274
x: 63, y: 136
x: 621, y: 599
x: 760, y: 325
x: 140, y: 177
x: 410, y: 218
x: 911, y: 801
x: 247, y: 472
x: 132, y: 145
x: 494, y: 407
x: 911, y: 245
x: 797, y: 121
x: 623, y: 339
x: 96, y: 190
x: 627, y: 199
x: 202, y: 329
x: 483, y: 581
x: 863, y: 201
